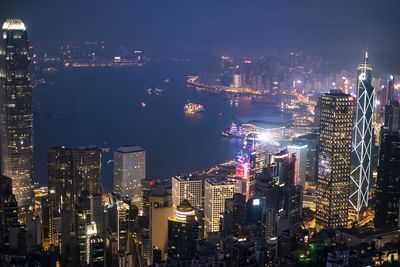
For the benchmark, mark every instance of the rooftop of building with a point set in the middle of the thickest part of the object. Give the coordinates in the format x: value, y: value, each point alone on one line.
x: 368, y: 232
x: 297, y: 146
x: 79, y: 149
x: 185, y: 206
x: 129, y: 149
x: 219, y: 181
x: 187, y: 178
x: 309, y: 136
x: 60, y: 147
x: 338, y: 93
x: 91, y: 147
x: 13, y: 24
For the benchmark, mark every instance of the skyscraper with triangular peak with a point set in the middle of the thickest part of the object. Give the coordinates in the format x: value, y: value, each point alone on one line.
x: 362, y: 138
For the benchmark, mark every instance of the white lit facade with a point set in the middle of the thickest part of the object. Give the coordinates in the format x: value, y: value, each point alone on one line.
x: 189, y: 188
x: 215, y: 193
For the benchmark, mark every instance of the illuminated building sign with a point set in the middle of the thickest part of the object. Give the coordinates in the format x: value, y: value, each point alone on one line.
x: 243, y: 169
x: 256, y: 202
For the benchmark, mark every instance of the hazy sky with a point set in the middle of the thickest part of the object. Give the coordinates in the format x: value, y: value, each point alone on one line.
x: 311, y: 25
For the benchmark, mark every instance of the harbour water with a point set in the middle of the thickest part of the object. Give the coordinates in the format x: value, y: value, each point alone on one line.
x: 104, y: 107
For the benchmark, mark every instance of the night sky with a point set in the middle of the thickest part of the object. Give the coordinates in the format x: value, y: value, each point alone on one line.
x: 247, y: 26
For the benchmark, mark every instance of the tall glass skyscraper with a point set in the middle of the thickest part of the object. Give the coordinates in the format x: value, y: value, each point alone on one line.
x: 129, y: 171
x: 387, y: 200
x: 16, y: 119
x: 362, y: 139
x: 334, y: 159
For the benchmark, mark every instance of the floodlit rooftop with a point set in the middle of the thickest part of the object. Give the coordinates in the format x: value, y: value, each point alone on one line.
x: 13, y: 24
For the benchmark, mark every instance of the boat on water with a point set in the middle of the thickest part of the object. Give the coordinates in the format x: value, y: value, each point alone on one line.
x: 156, y: 91
x: 193, y: 108
x: 236, y: 131
x: 50, y: 70
x: 143, y: 104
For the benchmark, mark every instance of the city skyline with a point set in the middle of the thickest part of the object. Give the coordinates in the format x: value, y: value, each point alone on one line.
x: 196, y: 32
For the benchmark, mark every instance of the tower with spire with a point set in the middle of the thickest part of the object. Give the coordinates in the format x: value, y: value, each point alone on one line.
x: 362, y: 140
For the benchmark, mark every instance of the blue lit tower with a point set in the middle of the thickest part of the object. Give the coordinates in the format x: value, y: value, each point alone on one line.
x: 362, y: 139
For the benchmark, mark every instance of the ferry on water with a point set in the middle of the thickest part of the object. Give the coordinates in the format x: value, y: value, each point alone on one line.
x: 193, y: 108
x: 236, y: 131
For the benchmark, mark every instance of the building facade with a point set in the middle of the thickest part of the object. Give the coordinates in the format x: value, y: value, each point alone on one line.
x: 387, y: 199
x: 392, y: 116
x: 129, y: 171
x: 216, y: 191
x: 73, y: 176
x: 183, y: 232
x: 72, y: 171
x: 301, y: 162
x: 16, y: 118
x: 189, y: 188
x: 87, y: 170
x: 60, y: 178
x: 334, y: 159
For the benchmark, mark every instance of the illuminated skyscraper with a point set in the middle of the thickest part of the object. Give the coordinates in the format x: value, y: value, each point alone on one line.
x: 215, y: 193
x: 243, y: 170
x: 281, y: 167
x: 301, y: 162
x: 97, y: 212
x: 311, y: 140
x: 387, y: 200
x: 16, y: 118
x: 122, y: 225
x: 147, y: 186
x: 334, y: 159
x: 8, y: 211
x: 83, y: 227
x: 183, y: 232
x: 392, y: 116
x: 129, y: 171
x: 97, y: 253
x: 362, y: 139
x: 189, y: 188
x: 118, y: 220
x: 389, y: 96
x: 60, y: 183
x: 87, y: 170
x: 90, y: 234
x: 72, y: 171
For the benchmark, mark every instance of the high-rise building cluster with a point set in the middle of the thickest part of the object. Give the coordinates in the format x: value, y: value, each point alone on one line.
x: 328, y: 197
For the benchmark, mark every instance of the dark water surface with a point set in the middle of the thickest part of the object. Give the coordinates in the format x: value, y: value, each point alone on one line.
x: 102, y: 107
